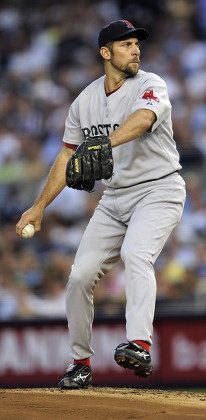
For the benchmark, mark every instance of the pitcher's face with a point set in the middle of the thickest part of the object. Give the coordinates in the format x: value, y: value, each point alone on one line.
x: 125, y: 56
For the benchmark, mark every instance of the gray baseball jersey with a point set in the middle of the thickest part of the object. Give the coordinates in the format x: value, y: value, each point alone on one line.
x: 133, y: 222
x: 152, y: 155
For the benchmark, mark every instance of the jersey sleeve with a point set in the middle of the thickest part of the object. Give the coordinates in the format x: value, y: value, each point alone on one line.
x: 153, y: 95
x: 73, y: 132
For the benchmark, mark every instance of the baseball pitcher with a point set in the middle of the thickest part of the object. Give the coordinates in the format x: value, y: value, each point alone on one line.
x: 119, y: 130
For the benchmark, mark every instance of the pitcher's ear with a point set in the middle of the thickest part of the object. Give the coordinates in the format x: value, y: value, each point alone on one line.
x: 105, y: 53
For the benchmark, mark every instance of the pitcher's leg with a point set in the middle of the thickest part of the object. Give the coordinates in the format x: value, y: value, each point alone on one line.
x: 148, y: 230
x: 99, y: 250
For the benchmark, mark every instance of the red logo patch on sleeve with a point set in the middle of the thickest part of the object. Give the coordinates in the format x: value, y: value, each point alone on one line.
x: 149, y: 95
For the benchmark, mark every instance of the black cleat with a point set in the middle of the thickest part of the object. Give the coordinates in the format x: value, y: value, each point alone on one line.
x: 77, y: 376
x: 133, y: 356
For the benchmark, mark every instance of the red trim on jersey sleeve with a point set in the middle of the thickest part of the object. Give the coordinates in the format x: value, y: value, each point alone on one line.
x: 71, y: 146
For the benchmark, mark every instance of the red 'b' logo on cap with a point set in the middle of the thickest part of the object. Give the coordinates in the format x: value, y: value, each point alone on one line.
x: 129, y: 24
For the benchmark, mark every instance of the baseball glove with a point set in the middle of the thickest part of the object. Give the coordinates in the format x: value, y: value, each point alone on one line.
x: 90, y: 162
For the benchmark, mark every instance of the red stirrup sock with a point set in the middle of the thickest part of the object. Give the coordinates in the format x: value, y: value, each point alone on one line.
x: 85, y: 362
x: 143, y: 344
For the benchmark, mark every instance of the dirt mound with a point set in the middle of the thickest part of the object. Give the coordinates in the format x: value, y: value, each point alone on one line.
x: 100, y: 404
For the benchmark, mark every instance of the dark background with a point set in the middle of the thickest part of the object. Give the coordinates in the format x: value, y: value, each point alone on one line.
x: 48, y: 54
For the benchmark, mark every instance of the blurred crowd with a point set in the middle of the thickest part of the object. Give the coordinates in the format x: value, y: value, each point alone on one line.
x: 48, y: 54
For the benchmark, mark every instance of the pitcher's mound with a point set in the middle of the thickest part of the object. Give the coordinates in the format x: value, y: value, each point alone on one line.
x: 100, y: 404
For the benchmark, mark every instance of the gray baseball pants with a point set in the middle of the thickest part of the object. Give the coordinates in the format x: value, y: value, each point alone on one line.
x: 132, y: 224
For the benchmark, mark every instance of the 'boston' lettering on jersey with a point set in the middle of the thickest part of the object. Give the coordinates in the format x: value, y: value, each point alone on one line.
x: 100, y: 129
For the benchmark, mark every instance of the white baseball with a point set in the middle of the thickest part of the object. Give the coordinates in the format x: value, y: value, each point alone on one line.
x: 28, y: 231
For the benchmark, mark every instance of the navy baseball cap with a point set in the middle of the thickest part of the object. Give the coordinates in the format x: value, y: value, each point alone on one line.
x: 119, y: 28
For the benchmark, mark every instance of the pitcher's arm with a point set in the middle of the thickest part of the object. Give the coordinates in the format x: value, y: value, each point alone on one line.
x: 55, y: 183
x: 134, y: 126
